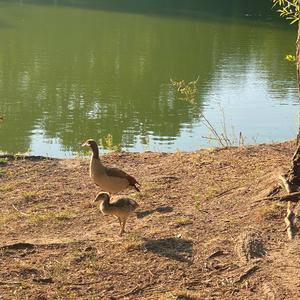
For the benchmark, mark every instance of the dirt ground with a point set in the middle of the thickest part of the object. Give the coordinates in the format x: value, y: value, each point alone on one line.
x: 202, y: 230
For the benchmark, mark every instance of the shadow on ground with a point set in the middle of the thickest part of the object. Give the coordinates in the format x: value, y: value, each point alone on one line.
x: 174, y: 248
x: 145, y: 213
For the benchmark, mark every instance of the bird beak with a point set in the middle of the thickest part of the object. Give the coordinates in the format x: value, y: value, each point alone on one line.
x: 84, y: 144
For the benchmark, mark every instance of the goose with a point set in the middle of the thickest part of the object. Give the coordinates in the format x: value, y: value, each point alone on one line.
x: 111, y: 180
x: 120, y: 208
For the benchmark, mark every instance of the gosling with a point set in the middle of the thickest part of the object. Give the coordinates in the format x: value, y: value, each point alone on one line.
x: 121, y: 208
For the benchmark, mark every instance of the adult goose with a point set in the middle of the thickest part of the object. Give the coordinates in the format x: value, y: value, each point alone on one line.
x: 121, y: 208
x: 111, y: 180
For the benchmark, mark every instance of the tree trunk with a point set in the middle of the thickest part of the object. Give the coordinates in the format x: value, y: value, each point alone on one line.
x: 293, y: 175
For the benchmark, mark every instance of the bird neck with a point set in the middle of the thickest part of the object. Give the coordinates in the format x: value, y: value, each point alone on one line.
x: 106, y: 202
x: 95, y: 150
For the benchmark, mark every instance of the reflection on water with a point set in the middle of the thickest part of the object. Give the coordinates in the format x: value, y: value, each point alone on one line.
x: 81, y: 69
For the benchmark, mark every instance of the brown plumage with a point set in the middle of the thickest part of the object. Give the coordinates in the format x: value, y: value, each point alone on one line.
x: 120, y: 208
x: 111, y: 180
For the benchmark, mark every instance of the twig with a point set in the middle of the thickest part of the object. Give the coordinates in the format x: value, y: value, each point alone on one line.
x: 20, y: 212
x: 225, y: 192
x: 81, y: 283
x: 246, y: 274
x: 216, y: 254
x: 135, y: 290
x: 209, y: 138
x: 214, y: 132
x: 241, y: 139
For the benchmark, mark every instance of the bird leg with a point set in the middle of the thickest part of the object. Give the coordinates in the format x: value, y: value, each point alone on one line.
x: 122, y: 227
x: 92, y: 202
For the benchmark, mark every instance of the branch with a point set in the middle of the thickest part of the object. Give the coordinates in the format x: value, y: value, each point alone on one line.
x: 20, y: 212
x: 247, y: 273
x: 289, y: 3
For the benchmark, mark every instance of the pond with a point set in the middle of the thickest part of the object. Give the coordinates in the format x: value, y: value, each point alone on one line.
x: 72, y: 70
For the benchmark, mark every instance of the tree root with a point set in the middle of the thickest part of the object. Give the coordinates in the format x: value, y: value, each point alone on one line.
x: 293, y: 195
x: 290, y: 222
x: 286, y: 183
x: 274, y: 191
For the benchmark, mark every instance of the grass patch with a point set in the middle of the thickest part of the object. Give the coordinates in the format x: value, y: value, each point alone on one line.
x: 134, y: 244
x: 7, y: 252
x: 212, y: 191
x: 3, y: 161
x: 141, y: 195
x: 52, y: 216
x: 197, y: 201
x: 7, y: 187
x: 6, y: 218
x: 29, y: 195
x: 2, y: 172
x: 57, y: 268
x: 181, y: 295
x: 182, y: 221
x: 269, y: 211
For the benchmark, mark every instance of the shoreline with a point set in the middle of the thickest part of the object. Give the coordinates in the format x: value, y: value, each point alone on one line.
x: 108, y: 152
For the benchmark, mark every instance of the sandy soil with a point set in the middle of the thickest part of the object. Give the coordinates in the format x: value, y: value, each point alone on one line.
x: 201, y: 231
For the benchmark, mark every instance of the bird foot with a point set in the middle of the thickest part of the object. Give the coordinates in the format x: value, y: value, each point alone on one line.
x: 121, y: 232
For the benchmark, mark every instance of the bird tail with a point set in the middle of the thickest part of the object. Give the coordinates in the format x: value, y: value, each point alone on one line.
x: 136, y: 188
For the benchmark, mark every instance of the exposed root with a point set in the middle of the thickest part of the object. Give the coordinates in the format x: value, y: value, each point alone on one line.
x: 290, y: 222
x: 288, y: 186
x: 291, y: 197
x: 274, y: 191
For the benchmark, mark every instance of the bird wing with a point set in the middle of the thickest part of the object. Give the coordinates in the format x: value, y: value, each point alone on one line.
x: 125, y: 203
x: 115, y: 172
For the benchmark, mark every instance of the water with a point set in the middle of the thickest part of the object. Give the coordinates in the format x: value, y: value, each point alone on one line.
x: 72, y: 70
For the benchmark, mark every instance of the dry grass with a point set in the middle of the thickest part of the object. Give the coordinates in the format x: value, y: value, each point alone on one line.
x: 51, y: 216
x: 181, y: 221
x: 8, y: 217
x: 29, y: 195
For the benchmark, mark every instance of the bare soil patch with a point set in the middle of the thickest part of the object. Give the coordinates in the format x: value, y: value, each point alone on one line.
x: 201, y: 231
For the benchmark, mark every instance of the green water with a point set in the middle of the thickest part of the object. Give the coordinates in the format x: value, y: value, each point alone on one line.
x: 72, y: 70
